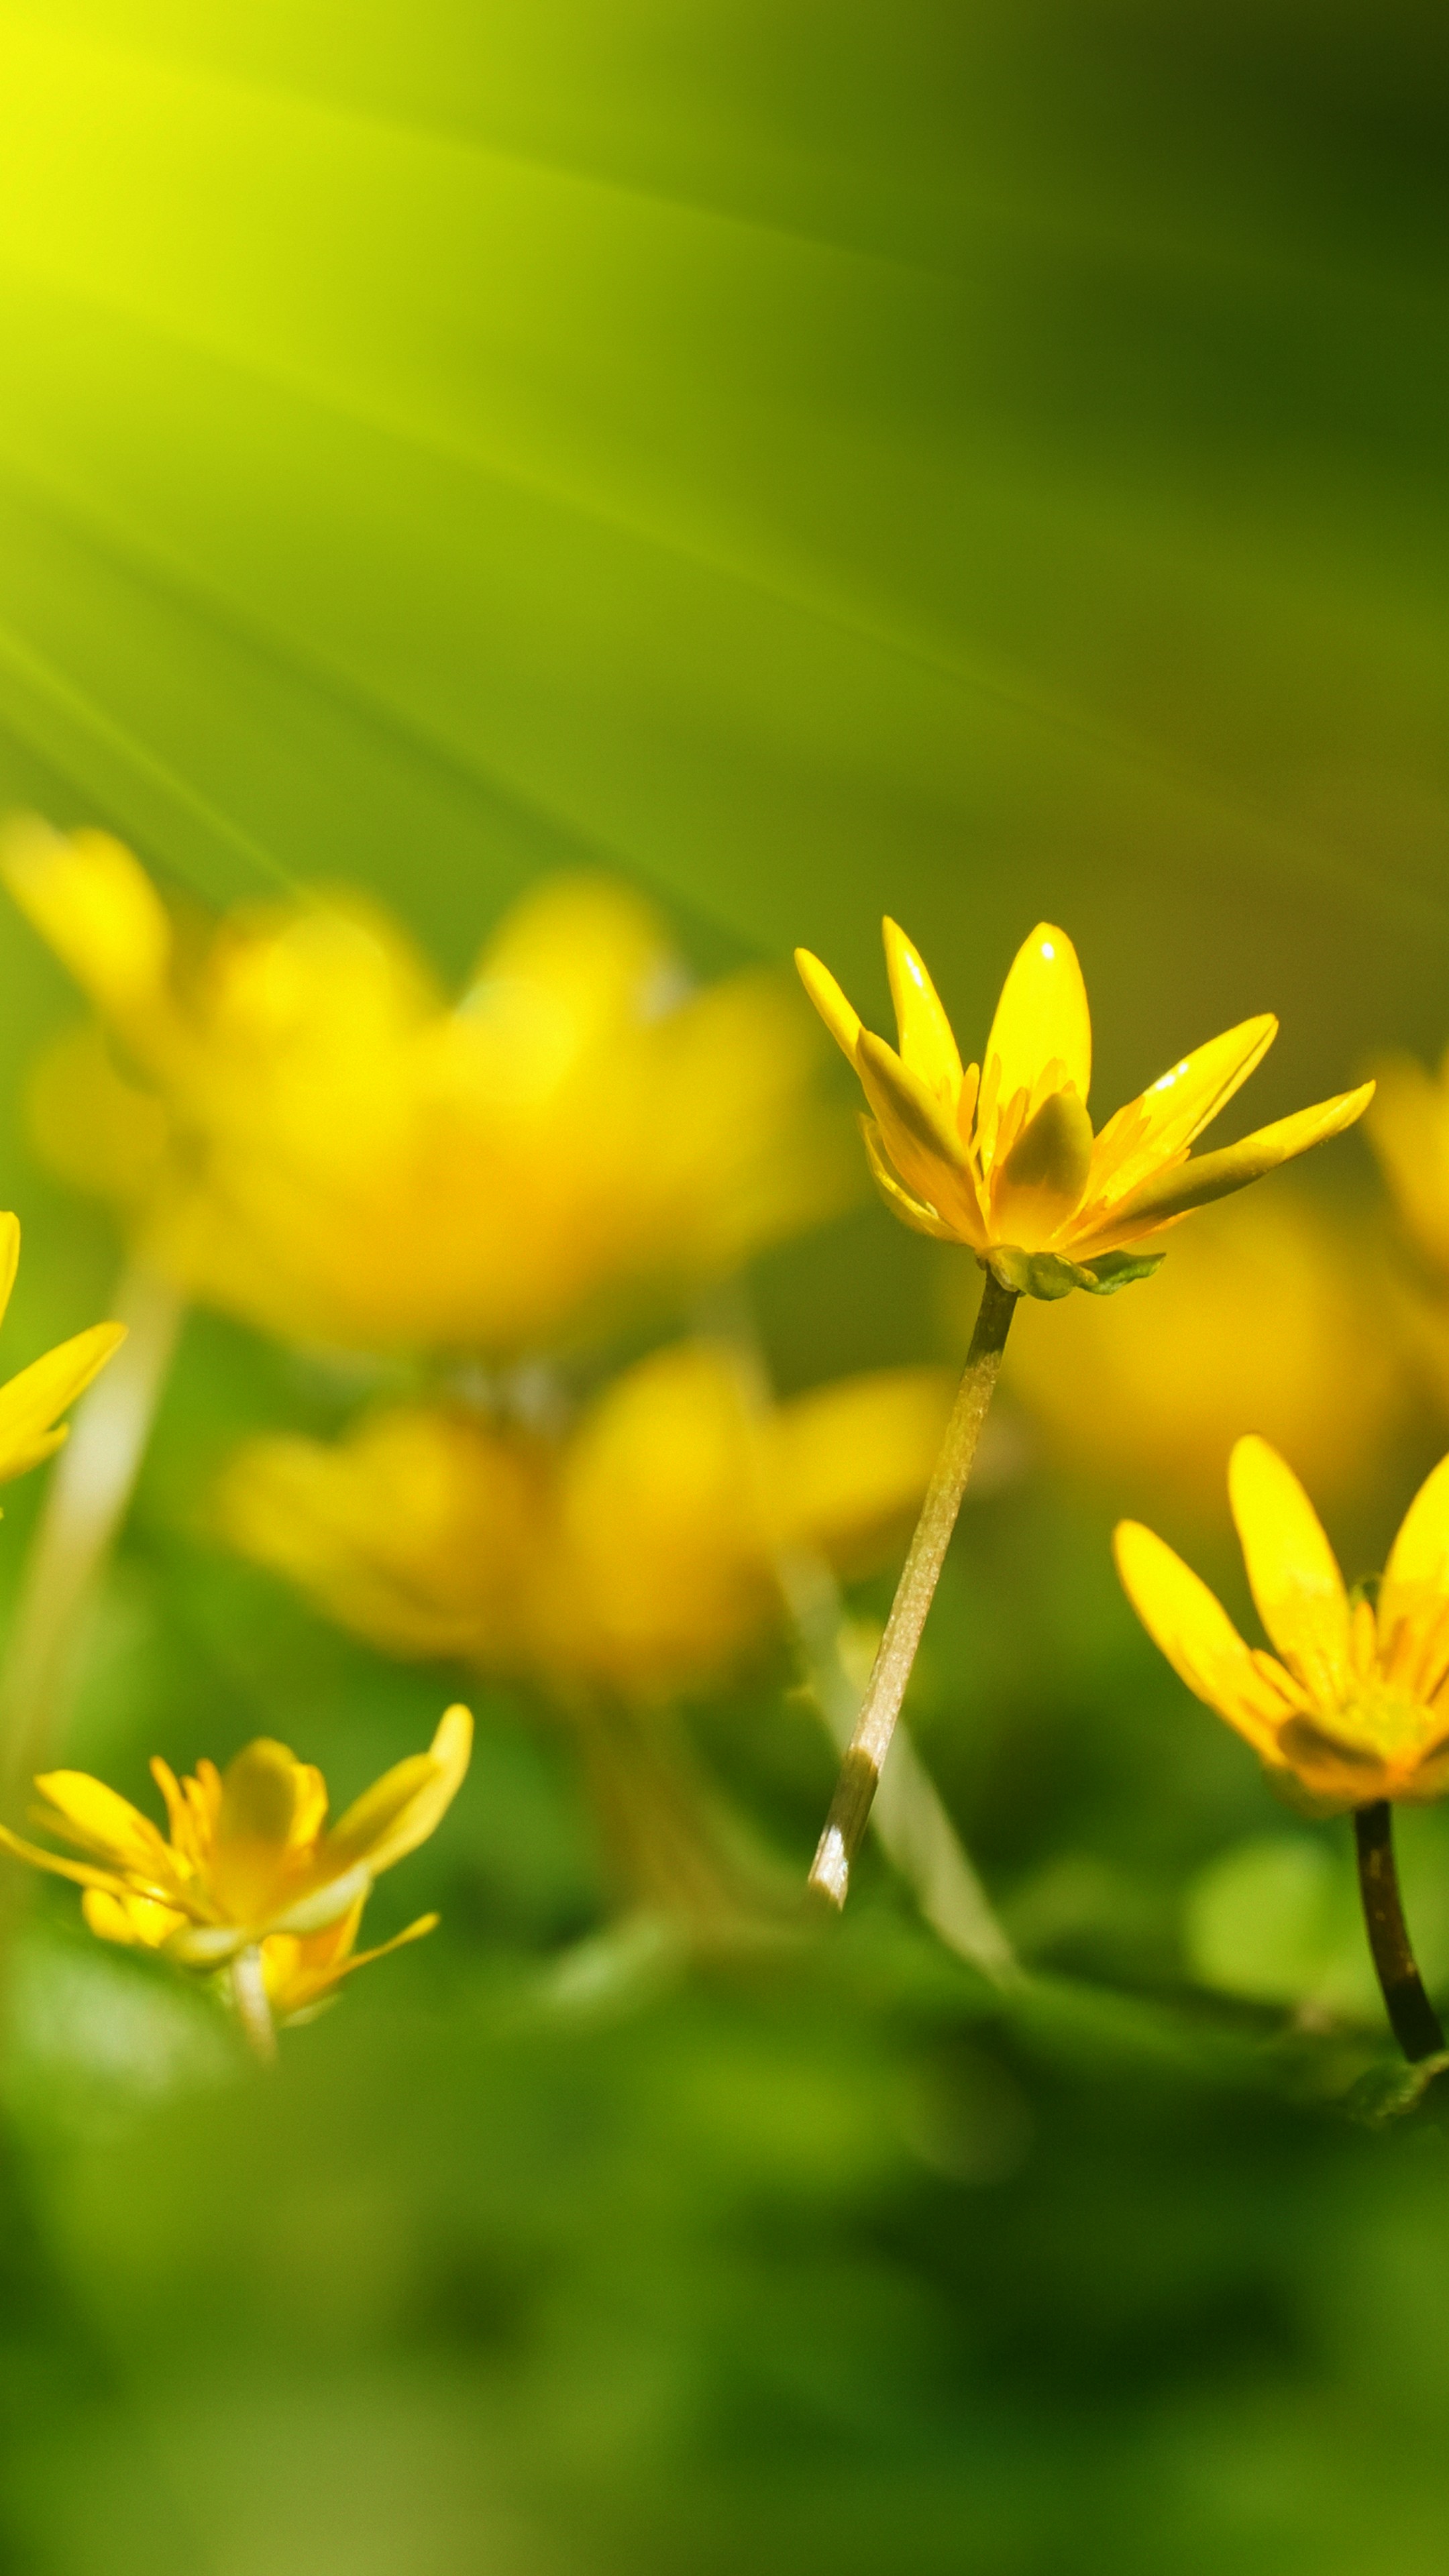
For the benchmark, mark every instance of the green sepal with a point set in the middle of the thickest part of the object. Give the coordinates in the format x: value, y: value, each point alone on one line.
x: 1048, y: 1276
x: 1033, y: 1274
x: 1114, y: 1270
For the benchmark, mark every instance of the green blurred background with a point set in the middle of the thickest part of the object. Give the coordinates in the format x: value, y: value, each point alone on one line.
x: 980, y: 462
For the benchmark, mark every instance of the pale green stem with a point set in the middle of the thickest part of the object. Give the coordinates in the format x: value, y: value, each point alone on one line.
x: 871, y: 1738
x: 90, y: 1487
x: 253, y: 2011
x: 909, y: 1816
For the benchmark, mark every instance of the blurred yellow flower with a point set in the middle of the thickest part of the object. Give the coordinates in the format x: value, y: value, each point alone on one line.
x: 251, y: 1876
x: 1357, y: 1709
x: 30, y: 1403
x: 1409, y: 1132
x: 1004, y: 1159
x: 296, y: 1127
x: 1267, y: 1300
x: 635, y: 1556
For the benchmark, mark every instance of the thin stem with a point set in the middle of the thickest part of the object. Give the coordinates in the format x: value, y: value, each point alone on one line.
x: 860, y: 1772
x: 90, y: 1487
x: 249, y: 1994
x: 909, y: 1818
x: 1412, y: 2017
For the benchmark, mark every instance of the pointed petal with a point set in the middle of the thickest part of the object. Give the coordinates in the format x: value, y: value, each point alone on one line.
x: 1042, y: 1013
x: 1198, y: 1638
x: 94, y: 904
x: 98, y: 1820
x: 80, y: 1872
x: 137, y: 1922
x: 842, y: 1022
x: 1213, y: 1176
x: 1174, y: 1110
x: 901, y: 1100
x: 1036, y: 1189
x: 401, y: 1809
x: 9, y: 1256
x: 1418, y: 1566
x: 30, y: 1402
x: 911, y: 1211
x: 927, y: 1040
x: 1292, y: 1569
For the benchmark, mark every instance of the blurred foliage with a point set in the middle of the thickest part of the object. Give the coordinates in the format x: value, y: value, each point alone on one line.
x: 977, y: 463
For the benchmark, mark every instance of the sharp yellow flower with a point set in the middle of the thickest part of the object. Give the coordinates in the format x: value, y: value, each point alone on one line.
x: 635, y: 1556
x: 30, y: 1431
x: 296, y: 1126
x: 1001, y: 1157
x: 1353, y: 1709
x: 1267, y: 1300
x: 250, y: 1876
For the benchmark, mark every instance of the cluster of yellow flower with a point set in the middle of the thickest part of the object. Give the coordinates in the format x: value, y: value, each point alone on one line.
x: 297, y: 1127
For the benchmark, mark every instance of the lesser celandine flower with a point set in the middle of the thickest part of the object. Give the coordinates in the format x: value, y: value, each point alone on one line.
x: 631, y: 1558
x: 250, y: 1877
x: 634, y: 1554
x: 1001, y: 1157
x: 295, y: 1124
x: 1352, y: 1712
x: 30, y: 1404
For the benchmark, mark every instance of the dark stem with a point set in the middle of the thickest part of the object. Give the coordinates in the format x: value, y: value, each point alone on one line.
x: 1415, y: 2024
x: 861, y: 1769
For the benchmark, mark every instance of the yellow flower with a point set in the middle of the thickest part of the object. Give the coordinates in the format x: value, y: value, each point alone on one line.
x: 30, y: 1403
x: 637, y: 1555
x: 250, y: 1864
x: 1266, y: 1301
x: 297, y: 1127
x: 1409, y: 1132
x: 1003, y: 1159
x: 1354, y: 1707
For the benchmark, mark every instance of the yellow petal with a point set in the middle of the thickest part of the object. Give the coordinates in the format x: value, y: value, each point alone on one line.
x: 901, y: 1101
x: 137, y: 1922
x: 1292, y: 1569
x: 80, y: 1872
x: 407, y: 1804
x: 842, y: 1022
x: 1212, y: 1176
x: 927, y: 1041
x: 1043, y: 1177
x: 911, y: 1210
x: 9, y: 1256
x: 259, y: 1791
x: 30, y: 1402
x: 94, y: 904
x: 1198, y: 1638
x: 1176, y: 1108
x: 100, y: 1821
x: 1042, y: 1014
x: 1418, y: 1563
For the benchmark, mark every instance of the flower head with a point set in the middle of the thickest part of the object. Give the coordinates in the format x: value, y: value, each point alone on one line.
x: 1002, y: 1156
x: 636, y: 1554
x: 297, y: 1126
x: 1354, y: 1706
x: 30, y: 1431
x: 249, y: 1861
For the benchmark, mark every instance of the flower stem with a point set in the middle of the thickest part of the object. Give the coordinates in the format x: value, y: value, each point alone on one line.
x: 90, y: 1487
x: 249, y: 1994
x: 1412, y: 2017
x: 861, y: 1769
